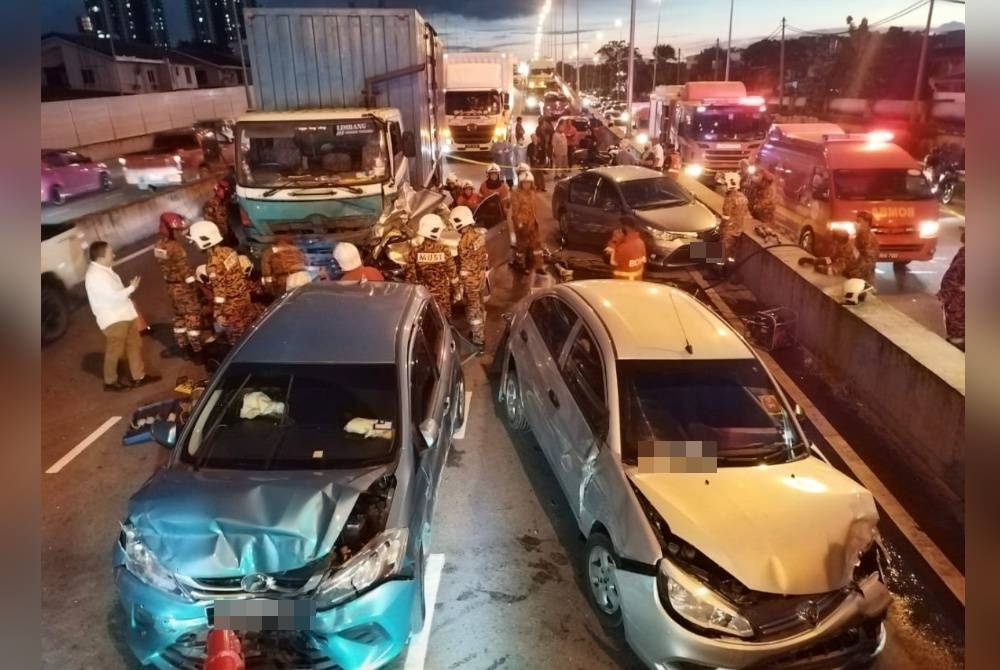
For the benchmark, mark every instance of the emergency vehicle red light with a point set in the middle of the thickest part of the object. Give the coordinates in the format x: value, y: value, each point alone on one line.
x: 753, y: 100
x: 880, y: 136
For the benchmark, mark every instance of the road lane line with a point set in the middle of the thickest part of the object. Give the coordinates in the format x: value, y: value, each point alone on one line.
x: 416, y: 655
x: 135, y: 254
x: 78, y: 449
x: 460, y: 433
x: 931, y: 553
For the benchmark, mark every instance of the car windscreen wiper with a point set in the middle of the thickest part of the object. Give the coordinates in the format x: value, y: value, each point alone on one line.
x: 332, y: 184
x: 755, y: 452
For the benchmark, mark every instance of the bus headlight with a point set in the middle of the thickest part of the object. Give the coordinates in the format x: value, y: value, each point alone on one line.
x: 693, y: 170
x: 928, y: 229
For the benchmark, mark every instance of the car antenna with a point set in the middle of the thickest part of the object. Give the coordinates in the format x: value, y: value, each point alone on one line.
x: 687, y: 343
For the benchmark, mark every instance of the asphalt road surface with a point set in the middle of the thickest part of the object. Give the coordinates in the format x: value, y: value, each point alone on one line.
x: 511, y: 591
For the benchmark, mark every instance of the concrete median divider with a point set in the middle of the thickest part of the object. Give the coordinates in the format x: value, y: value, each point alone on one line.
x: 126, y: 225
x: 905, y: 378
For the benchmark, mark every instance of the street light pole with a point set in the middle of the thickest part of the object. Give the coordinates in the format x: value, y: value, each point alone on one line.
x: 631, y: 70
x: 729, y: 44
x: 781, y: 70
x: 918, y: 86
x: 111, y: 41
x: 578, y: 46
x: 656, y: 42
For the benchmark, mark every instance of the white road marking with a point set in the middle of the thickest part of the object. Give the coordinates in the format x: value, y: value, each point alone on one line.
x: 78, y: 449
x: 460, y: 433
x: 135, y: 254
x: 416, y: 655
x: 931, y: 553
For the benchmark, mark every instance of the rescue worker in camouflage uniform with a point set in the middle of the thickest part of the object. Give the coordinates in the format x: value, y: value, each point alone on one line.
x: 452, y: 188
x: 432, y: 264
x: 278, y: 261
x: 234, y: 312
x: 735, y: 215
x: 764, y: 199
x: 216, y: 209
x: 189, y: 324
x: 863, y: 265
x: 952, y: 297
x: 472, y: 265
x: 494, y: 184
x: 525, y: 221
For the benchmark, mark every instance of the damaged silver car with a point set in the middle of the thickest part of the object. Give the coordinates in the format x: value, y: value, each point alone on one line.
x: 717, y: 536
x: 296, y: 505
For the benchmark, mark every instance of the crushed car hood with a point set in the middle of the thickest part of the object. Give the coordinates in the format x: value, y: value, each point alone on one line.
x: 226, y: 523
x: 791, y: 529
x: 691, y: 218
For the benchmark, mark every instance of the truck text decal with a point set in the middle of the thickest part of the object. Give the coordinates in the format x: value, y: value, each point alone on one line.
x: 895, y: 212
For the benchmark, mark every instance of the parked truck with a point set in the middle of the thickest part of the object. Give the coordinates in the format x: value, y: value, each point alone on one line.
x: 713, y: 124
x: 348, y: 106
x: 476, y: 99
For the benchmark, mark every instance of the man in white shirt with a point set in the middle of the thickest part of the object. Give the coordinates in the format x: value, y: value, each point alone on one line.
x: 111, y: 303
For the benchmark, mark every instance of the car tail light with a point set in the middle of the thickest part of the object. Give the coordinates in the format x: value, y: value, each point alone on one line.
x: 244, y: 219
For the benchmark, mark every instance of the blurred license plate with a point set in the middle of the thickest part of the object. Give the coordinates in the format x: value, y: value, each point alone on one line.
x: 262, y: 614
x: 724, y: 145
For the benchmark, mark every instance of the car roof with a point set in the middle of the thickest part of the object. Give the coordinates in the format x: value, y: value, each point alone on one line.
x: 648, y: 321
x: 333, y: 322
x: 626, y: 172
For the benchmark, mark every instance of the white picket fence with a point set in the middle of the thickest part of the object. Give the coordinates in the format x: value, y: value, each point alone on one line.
x: 75, y: 123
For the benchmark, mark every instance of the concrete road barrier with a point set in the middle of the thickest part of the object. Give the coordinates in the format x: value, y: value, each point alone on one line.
x: 126, y: 225
x: 906, y: 379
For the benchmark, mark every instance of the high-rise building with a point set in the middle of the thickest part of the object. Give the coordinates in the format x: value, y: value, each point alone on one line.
x: 129, y: 20
x: 214, y: 21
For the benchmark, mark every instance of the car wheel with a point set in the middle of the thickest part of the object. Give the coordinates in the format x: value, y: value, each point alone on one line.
x: 900, y: 266
x: 602, y: 580
x: 512, y: 402
x: 460, y: 408
x: 55, y: 313
x: 948, y: 193
x: 56, y: 196
x: 807, y: 240
x: 106, y: 183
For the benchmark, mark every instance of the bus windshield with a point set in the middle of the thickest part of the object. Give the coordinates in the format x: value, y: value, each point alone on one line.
x: 882, y: 184
x: 729, y: 123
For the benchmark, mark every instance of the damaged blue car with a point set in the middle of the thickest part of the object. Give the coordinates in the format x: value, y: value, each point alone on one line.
x: 296, y: 504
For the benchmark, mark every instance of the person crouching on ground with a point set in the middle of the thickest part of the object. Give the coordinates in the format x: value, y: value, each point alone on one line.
x: 626, y: 252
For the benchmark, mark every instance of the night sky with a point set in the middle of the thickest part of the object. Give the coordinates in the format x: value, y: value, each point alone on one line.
x: 509, y: 25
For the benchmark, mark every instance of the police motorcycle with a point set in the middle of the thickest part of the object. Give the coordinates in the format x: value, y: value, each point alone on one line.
x: 942, y: 171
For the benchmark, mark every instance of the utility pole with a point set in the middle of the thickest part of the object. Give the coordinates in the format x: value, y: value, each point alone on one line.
x: 631, y: 70
x: 578, y: 47
x: 781, y: 70
x: 717, y: 60
x: 729, y: 44
x: 656, y: 59
x: 678, y: 65
x: 243, y: 58
x: 111, y: 41
x: 562, y: 40
x: 919, y: 85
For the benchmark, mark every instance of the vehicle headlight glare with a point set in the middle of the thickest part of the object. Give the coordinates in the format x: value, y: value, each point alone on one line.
x: 928, y: 228
x: 700, y: 605
x: 121, y: 161
x: 141, y: 562
x: 693, y: 170
x: 381, y: 558
x: 848, y: 227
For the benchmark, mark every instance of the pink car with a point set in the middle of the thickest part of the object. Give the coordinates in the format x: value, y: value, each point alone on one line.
x: 67, y: 173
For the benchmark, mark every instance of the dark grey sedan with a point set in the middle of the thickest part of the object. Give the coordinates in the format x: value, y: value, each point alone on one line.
x: 674, y: 225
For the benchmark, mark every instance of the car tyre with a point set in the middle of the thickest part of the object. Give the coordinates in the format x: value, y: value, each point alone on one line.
x: 947, y: 193
x: 56, y: 196
x: 460, y: 408
x: 807, y: 240
x: 512, y: 402
x: 55, y: 313
x: 600, y: 571
x: 106, y: 183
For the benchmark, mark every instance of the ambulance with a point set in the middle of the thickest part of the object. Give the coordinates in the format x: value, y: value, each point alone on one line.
x: 824, y: 176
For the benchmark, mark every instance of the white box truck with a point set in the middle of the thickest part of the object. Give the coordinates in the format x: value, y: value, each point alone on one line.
x: 476, y: 99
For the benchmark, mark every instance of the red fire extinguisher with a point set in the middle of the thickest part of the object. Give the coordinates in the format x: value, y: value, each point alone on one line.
x: 223, y: 651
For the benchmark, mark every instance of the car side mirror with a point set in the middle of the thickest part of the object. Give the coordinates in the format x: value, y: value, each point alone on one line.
x: 409, y: 145
x: 164, y: 433
x: 429, y: 431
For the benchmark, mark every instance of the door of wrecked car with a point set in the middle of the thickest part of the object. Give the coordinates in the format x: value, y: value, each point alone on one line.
x: 431, y: 367
x: 490, y: 215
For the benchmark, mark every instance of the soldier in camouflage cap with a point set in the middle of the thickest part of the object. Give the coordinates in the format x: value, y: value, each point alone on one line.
x: 473, y: 263
x: 432, y: 264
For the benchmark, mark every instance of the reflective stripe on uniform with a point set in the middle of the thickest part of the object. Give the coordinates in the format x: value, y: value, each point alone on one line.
x: 621, y: 274
x: 189, y: 280
x: 180, y: 330
x: 219, y: 300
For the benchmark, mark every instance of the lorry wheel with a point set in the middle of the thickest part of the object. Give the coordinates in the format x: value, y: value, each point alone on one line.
x: 56, y: 196
x: 55, y: 313
x: 807, y: 240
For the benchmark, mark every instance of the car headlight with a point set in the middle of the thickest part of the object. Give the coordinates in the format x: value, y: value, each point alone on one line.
x: 446, y: 132
x: 378, y: 560
x: 693, y: 170
x: 532, y: 101
x: 669, y: 236
x: 848, y: 227
x: 121, y: 161
x: 698, y: 604
x: 141, y: 562
x: 928, y: 228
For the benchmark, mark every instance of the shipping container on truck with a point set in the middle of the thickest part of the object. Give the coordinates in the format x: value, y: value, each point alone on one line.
x: 715, y: 125
x: 476, y: 99
x: 348, y: 105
